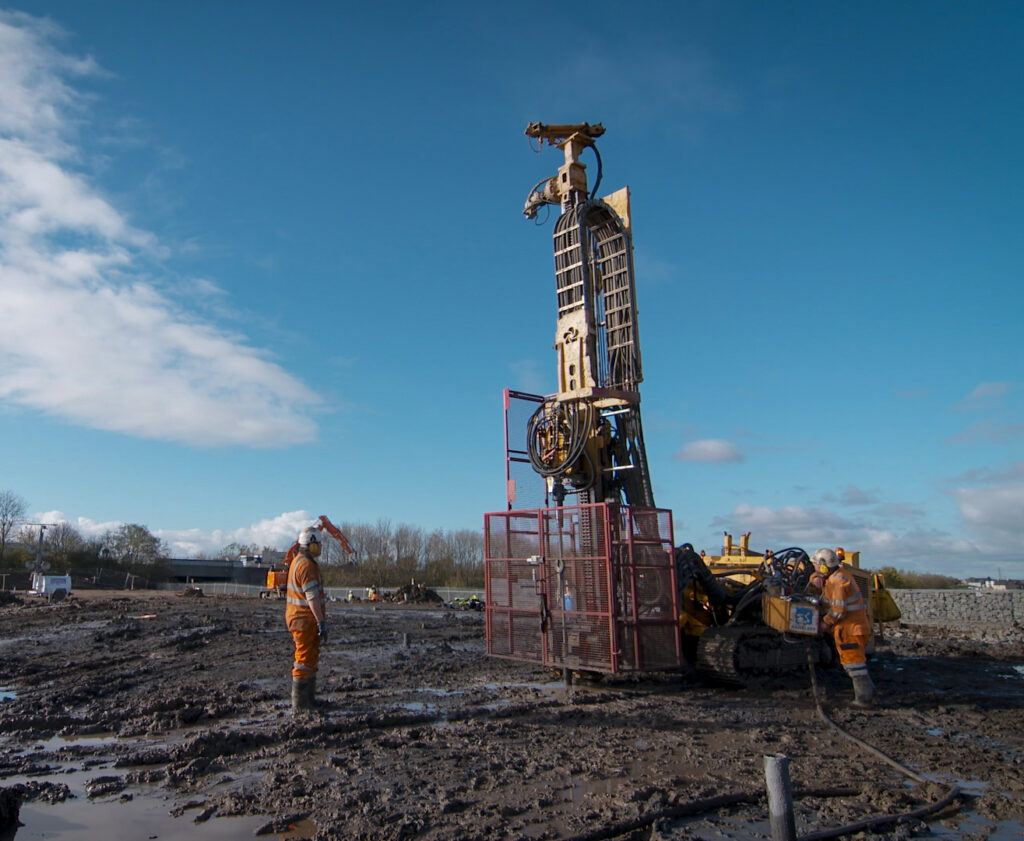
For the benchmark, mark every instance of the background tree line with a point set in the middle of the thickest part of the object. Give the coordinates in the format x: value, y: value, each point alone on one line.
x: 901, y: 579
x: 386, y: 555
x: 129, y: 548
x: 389, y: 555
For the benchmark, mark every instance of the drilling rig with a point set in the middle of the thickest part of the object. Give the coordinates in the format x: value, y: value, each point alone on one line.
x: 586, y: 583
x: 591, y: 581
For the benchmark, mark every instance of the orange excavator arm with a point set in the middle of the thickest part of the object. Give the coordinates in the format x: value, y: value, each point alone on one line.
x: 335, y: 532
x: 323, y: 525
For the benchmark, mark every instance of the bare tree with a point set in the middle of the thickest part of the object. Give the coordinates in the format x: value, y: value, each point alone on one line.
x: 12, y: 509
x: 62, y: 541
x: 233, y: 550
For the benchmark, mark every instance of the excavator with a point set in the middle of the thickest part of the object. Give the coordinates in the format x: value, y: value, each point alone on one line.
x: 277, y: 579
x: 592, y: 581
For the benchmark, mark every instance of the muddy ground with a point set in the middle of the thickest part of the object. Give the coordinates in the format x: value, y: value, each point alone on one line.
x: 118, y: 698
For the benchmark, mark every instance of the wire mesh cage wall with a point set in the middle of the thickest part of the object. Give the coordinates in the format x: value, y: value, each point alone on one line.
x: 588, y: 588
x: 524, y: 488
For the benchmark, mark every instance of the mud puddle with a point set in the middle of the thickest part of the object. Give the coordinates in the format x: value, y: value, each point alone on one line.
x: 143, y: 817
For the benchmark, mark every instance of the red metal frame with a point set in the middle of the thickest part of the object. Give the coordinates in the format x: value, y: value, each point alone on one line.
x: 516, y: 455
x: 588, y: 587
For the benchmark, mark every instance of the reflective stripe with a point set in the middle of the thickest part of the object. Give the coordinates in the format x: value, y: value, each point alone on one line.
x: 312, y: 589
x: 297, y: 602
x: 297, y: 665
x: 854, y: 603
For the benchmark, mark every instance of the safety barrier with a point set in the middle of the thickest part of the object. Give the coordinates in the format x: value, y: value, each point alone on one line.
x: 960, y: 608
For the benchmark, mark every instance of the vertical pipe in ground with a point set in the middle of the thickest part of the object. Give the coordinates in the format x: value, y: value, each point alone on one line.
x: 780, y: 797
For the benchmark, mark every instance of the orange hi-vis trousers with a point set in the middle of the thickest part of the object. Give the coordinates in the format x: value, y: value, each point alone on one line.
x: 303, y: 586
x: 307, y: 645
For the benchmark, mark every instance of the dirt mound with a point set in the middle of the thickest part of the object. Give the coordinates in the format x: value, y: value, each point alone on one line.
x: 414, y: 593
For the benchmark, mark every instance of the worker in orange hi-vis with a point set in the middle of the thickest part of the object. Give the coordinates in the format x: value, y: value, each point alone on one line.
x: 847, y: 620
x: 306, y: 617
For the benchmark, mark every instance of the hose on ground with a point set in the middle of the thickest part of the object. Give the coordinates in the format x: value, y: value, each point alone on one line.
x: 710, y: 804
x: 868, y: 823
x: 697, y: 807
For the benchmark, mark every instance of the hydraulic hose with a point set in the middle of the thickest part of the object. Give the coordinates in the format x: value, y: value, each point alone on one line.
x: 868, y: 823
x: 578, y: 420
x: 710, y: 804
x: 752, y: 593
x: 600, y: 168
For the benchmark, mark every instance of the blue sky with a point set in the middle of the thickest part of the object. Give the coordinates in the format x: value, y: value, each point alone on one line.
x: 261, y: 261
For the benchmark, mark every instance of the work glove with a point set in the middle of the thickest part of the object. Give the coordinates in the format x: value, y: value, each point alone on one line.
x: 321, y: 631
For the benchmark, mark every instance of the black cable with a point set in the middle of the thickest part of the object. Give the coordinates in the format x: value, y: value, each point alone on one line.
x: 600, y: 172
x: 753, y: 591
x: 952, y: 794
x: 577, y: 433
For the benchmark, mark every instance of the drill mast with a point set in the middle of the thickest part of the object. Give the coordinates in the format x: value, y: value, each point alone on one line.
x: 587, y: 438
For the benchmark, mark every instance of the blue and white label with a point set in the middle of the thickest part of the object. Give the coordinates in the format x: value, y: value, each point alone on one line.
x: 803, y: 619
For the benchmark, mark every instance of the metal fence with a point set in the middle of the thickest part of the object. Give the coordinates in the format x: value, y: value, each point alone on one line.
x: 81, y: 579
x: 228, y: 588
x: 106, y: 579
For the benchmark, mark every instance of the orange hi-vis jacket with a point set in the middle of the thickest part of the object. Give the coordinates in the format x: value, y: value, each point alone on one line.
x: 845, y: 600
x: 847, y: 618
x: 303, y: 583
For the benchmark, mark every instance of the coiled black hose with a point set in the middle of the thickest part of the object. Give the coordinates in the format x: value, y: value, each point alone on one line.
x: 549, y: 415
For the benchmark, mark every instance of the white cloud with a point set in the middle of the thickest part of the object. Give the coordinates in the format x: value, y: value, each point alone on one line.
x: 903, y: 543
x: 713, y: 450
x: 791, y: 524
x: 87, y: 527
x: 276, y: 532
x: 985, y: 395
x: 87, y: 336
x: 995, y: 513
x: 852, y: 495
x: 988, y: 431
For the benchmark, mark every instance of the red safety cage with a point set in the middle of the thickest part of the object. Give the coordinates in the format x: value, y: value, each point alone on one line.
x: 588, y: 588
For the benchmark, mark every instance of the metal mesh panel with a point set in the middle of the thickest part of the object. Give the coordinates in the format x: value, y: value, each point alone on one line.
x: 589, y: 587
x: 524, y: 487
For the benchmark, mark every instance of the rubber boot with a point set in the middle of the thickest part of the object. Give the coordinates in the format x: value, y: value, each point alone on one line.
x: 302, y: 694
x: 863, y: 691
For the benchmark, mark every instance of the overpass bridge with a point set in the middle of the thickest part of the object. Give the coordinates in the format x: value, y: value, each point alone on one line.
x: 249, y: 570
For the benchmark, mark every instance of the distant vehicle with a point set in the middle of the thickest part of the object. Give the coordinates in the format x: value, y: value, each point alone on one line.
x: 53, y: 587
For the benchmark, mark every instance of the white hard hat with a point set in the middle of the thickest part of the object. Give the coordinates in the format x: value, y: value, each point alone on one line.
x: 826, y: 558
x: 307, y: 536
